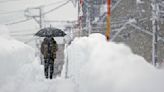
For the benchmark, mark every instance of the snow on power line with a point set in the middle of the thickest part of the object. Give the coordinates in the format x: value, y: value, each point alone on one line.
x: 57, y: 7
x: 11, y: 12
x: 17, y: 22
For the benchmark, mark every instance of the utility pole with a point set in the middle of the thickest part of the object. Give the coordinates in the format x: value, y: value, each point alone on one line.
x: 108, y: 29
x: 67, y: 62
x: 80, y: 15
x: 88, y: 19
x: 37, y: 14
x: 39, y: 18
x: 155, y: 29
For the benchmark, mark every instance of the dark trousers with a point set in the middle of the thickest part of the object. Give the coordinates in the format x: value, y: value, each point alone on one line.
x: 49, y: 68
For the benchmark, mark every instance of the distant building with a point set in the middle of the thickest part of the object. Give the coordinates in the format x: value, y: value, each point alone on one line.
x: 133, y: 35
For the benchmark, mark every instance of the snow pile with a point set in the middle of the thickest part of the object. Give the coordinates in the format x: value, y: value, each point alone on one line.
x: 13, y: 54
x: 20, y: 71
x: 79, y: 53
x: 109, y: 67
x: 31, y: 79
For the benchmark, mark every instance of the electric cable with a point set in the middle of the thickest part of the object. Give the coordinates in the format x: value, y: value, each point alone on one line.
x: 16, y: 11
x: 6, y: 1
x: 22, y: 30
x: 20, y: 21
x: 50, y: 4
x: 56, y: 7
x: 25, y: 34
x: 30, y: 40
x: 10, y: 12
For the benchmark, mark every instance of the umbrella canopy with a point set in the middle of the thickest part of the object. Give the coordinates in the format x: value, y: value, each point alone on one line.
x: 54, y: 32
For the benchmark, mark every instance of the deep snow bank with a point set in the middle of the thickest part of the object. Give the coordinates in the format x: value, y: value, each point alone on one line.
x: 31, y: 79
x: 13, y: 54
x: 20, y: 71
x: 100, y: 66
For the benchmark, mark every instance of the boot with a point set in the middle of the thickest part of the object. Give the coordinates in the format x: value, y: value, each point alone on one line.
x: 46, y: 69
x: 51, y: 69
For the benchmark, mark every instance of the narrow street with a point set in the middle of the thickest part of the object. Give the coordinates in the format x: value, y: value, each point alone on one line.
x: 59, y: 62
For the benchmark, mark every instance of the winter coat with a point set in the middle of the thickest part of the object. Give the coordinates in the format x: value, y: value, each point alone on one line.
x: 49, y: 48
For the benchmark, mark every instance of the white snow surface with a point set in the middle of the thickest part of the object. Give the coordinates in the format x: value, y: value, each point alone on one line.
x: 96, y: 65
x: 21, y: 71
x: 31, y: 79
x: 12, y: 54
x: 4, y: 31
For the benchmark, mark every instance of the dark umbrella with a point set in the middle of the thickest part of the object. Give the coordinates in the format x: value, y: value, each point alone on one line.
x: 54, y: 32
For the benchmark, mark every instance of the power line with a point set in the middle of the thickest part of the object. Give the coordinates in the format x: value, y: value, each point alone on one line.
x: 9, y: 12
x: 17, y: 11
x: 17, y: 22
x: 60, y: 21
x: 93, y: 2
x: 6, y: 1
x: 56, y: 7
x: 25, y: 20
x: 54, y: 3
x: 41, y: 14
x: 26, y: 34
x: 22, y: 30
x: 30, y: 40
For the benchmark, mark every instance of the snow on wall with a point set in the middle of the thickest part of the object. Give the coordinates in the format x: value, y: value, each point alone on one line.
x: 96, y: 65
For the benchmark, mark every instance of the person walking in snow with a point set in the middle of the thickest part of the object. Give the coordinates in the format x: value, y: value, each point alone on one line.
x: 49, y: 48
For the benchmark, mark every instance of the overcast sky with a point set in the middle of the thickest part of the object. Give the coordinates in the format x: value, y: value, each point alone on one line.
x: 13, y: 10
